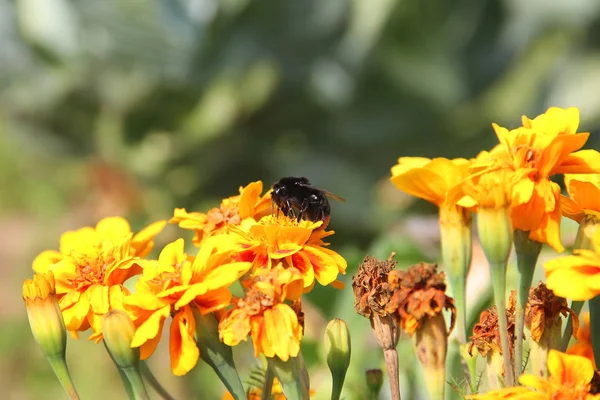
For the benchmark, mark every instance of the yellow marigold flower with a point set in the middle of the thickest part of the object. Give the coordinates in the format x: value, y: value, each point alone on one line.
x: 431, y: 180
x: 570, y: 379
x: 44, y: 314
x: 584, y: 192
x: 249, y: 204
x: 173, y: 285
x: 91, y: 267
x: 583, y: 346
x: 576, y: 277
x: 544, y: 146
x: 295, y: 244
x: 263, y: 314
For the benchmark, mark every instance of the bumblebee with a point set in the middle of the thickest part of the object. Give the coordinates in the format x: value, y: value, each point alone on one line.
x: 297, y: 198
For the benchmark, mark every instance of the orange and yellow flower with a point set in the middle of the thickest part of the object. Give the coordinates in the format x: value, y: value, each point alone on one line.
x: 263, y: 313
x: 295, y: 244
x: 542, y: 147
x: 584, y: 192
x: 91, y: 267
x: 234, y: 210
x: 173, y: 285
x: 576, y: 277
x: 569, y: 378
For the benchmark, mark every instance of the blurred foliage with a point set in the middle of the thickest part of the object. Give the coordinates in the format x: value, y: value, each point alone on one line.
x: 134, y: 107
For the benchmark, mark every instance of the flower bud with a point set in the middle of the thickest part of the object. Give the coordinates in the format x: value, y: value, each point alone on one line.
x: 118, y: 331
x: 374, y: 382
x: 338, y: 349
x: 45, y: 317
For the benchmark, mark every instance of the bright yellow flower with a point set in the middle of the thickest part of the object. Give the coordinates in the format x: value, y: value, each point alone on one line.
x: 263, y: 314
x: 544, y: 146
x: 431, y: 180
x: 570, y: 378
x: 583, y: 347
x: 295, y: 244
x: 91, y: 267
x: 576, y: 277
x: 584, y: 192
x: 249, y: 204
x: 173, y: 285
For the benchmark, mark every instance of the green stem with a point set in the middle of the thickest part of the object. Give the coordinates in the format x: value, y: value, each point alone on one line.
x: 292, y: 375
x: 61, y: 370
x: 154, y: 383
x: 498, y: 275
x: 126, y: 383
x: 137, y: 383
x: 527, y: 255
x: 268, y: 384
x: 595, y: 326
x: 576, y: 306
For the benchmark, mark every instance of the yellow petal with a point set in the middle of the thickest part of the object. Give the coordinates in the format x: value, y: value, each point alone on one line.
x: 580, y: 162
x: 143, y: 242
x: 182, y: 346
x: 248, y: 198
x: 45, y: 260
x: 75, y: 315
x: 113, y: 229
x: 150, y: 328
x: 569, y: 370
x: 98, y: 296
x: 573, y: 277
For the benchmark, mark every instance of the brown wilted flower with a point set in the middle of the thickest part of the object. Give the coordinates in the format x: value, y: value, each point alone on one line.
x: 486, y: 334
x: 371, y: 288
x: 418, y: 294
x: 544, y: 310
x: 371, y: 295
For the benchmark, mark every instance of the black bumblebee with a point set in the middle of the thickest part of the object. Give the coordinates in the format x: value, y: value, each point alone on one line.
x: 297, y: 198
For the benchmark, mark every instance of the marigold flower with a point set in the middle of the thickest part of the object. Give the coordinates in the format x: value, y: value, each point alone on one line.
x: 173, y: 285
x: 577, y: 276
x: 439, y: 181
x: 570, y: 379
x: 583, y: 346
x: 584, y: 196
x: 294, y: 244
x: 249, y: 204
x: 263, y: 313
x: 486, y: 332
x: 544, y: 146
x: 91, y: 267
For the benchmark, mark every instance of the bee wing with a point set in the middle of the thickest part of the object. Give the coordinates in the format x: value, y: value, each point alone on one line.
x: 327, y: 192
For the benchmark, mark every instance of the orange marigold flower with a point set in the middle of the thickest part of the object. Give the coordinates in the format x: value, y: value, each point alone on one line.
x: 91, y: 267
x: 486, y: 333
x: 173, y: 285
x: 294, y: 244
x: 570, y: 379
x: 544, y: 146
x: 263, y: 314
x: 249, y: 204
x: 584, y: 192
x: 576, y: 277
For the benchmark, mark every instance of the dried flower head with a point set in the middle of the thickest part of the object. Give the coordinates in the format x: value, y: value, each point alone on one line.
x: 418, y: 294
x: 372, y: 291
x: 486, y: 334
x: 544, y: 309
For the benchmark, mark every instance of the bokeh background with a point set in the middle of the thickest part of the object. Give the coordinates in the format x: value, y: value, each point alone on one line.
x: 134, y: 107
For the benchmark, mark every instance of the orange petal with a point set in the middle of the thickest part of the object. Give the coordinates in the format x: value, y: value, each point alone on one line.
x: 182, y: 346
x: 580, y: 162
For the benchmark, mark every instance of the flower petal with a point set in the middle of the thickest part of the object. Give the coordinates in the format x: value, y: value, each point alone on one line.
x: 182, y: 346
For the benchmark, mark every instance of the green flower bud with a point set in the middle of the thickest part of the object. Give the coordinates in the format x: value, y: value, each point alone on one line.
x: 338, y: 349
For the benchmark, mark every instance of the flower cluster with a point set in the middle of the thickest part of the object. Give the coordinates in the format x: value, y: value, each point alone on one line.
x: 276, y: 259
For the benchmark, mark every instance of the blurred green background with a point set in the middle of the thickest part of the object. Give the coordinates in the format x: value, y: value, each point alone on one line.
x: 131, y: 107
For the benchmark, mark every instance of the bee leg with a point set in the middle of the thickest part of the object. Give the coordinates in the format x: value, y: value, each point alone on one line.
x: 302, y: 210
